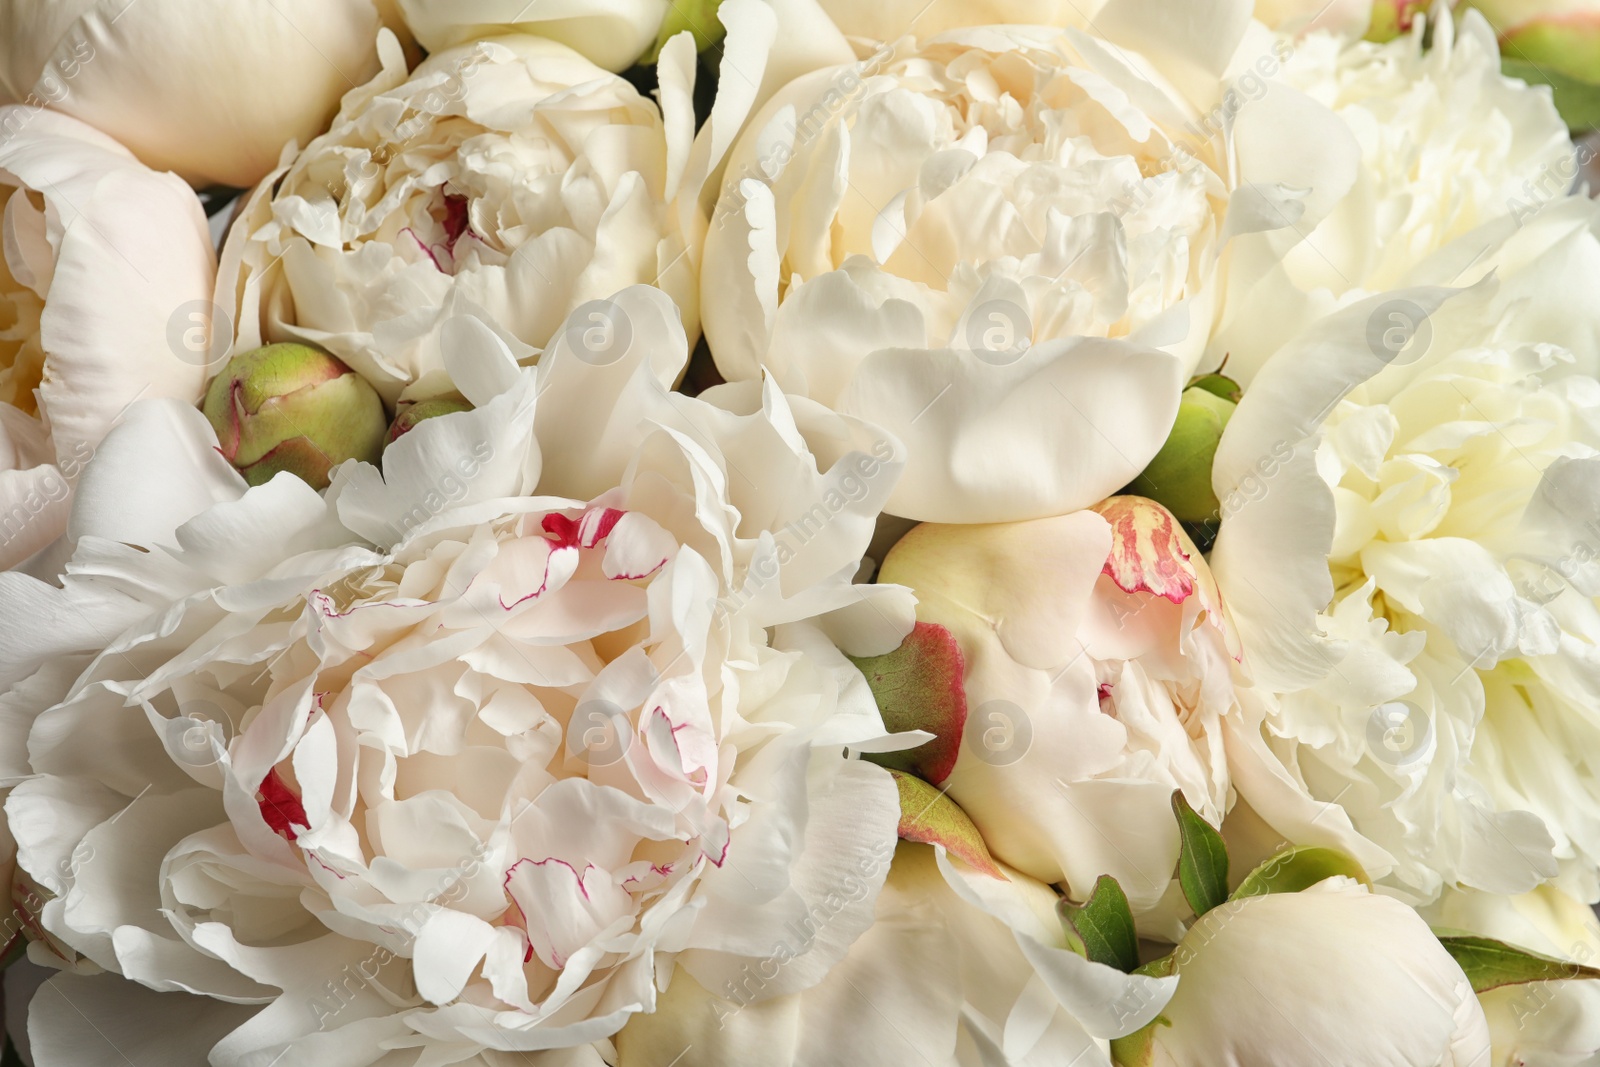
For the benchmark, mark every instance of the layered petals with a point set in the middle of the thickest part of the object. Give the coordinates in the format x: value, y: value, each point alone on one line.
x: 105, y: 292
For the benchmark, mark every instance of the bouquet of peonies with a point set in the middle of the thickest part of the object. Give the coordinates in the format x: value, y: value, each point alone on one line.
x: 800, y: 533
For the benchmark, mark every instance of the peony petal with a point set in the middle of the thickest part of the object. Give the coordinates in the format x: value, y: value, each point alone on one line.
x: 107, y: 1021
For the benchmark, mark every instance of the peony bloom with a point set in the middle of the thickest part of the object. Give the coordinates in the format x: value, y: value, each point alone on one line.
x: 1433, y: 142
x: 433, y: 764
x: 511, y: 179
x: 1539, y: 1024
x: 1408, y: 549
x: 1331, y: 975
x: 954, y: 963
x: 1098, y: 662
x: 1001, y: 242
x: 212, y: 92
x: 105, y: 283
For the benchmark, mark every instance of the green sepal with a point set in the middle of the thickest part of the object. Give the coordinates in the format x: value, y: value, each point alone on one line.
x: 920, y: 686
x: 930, y: 817
x: 1101, y: 929
x: 1490, y: 964
x: 1138, y: 1049
x: 1295, y: 870
x: 1202, y: 858
x: 1219, y: 385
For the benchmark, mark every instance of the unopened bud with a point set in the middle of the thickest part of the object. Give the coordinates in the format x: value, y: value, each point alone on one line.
x: 1179, y: 478
x: 414, y: 412
x: 289, y: 407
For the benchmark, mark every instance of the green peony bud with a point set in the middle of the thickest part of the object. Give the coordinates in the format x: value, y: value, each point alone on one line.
x: 291, y: 408
x: 411, y: 413
x: 1554, y: 43
x: 1179, y: 478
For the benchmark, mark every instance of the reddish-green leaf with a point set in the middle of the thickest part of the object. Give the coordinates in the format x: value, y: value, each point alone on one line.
x: 929, y: 816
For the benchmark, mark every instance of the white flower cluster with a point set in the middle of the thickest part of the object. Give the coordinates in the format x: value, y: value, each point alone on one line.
x: 996, y: 533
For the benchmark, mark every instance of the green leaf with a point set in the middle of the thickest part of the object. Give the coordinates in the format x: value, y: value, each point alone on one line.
x: 920, y: 686
x: 1490, y: 964
x: 1297, y: 869
x: 1202, y: 859
x: 1578, y: 101
x: 1101, y: 929
x: 928, y: 816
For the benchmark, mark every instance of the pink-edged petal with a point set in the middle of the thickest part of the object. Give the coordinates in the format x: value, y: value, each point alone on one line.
x: 1148, y: 553
x: 636, y: 547
x: 562, y: 906
x: 1151, y: 553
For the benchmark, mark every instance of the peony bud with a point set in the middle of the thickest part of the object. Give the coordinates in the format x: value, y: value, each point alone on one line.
x: 1555, y: 43
x: 1257, y: 976
x: 287, y: 407
x: 410, y: 414
x: 1179, y: 478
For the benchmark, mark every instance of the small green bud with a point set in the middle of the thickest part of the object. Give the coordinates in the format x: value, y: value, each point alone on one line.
x: 413, y: 412
x: 289, y: 407
x: 1179, y: 478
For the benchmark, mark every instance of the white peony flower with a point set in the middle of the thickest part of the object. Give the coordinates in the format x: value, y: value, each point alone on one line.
x: 1003, y: 242
x: 434, y: 764
x: 509, y: 178
x: 1437, y: 143
x: 1409, y: 495
x: 1335, y: 974
x: 1098, y: 672
x: 212, y: 92
x: 105, y: 282
x: 956, y: 966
